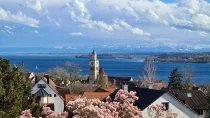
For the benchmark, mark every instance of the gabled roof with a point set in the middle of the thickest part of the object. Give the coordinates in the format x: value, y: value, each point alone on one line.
x: 41, y: 92
x: 99, y: 95
x: 197, y: 101
x: 146, y: 96
x: 52, y: 86
x: 71, y: 97
x: 128, y: 79
x: 110, y: 90
x: 63, y: 91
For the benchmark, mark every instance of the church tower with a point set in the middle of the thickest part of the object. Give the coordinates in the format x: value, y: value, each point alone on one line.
x: 94, y: 68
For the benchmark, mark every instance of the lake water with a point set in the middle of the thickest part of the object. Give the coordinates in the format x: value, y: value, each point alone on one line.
x: 112, y: 67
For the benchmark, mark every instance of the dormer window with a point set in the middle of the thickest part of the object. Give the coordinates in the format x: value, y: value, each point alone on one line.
x: 41, y: 85
x: 189, y: 95
x: 165, y: 105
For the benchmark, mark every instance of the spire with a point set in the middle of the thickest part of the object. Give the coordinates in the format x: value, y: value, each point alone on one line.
x: 94, y: 51
x: 94, y: 55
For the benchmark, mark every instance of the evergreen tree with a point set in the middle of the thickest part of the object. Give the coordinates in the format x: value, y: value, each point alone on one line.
x: 15, y: 91
x: 175, y: 80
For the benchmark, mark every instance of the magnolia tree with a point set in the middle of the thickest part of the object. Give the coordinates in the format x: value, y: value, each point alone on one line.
x: 158, y: 111
x: 46, y: 113
x: 121, y: 107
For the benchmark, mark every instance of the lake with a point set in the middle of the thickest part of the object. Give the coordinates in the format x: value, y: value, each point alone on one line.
x: 112, y: 67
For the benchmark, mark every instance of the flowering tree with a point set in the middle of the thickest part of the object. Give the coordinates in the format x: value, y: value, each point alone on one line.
x: 121, y: 107
x: 46, y: 112
x: 158, y: 111
x: 26, y: 114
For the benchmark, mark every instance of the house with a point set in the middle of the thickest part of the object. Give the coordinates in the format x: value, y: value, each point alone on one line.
x: 119, y: 81
x: 148, y: 97
x: 154, y: 85
x: 100, y: 93
x: 195, y: 99
x: 47, y: 94
x: 96, y: 95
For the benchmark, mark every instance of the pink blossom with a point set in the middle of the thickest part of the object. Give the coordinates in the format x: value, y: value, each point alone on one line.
x: 122, y: 107
x: 26, y: 114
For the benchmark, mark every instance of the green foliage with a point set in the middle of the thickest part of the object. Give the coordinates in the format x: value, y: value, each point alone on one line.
x: 15, y: 91
x: 175, y: 80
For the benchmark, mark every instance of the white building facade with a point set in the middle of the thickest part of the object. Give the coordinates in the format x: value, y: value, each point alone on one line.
x: 175, y: 105
x: 52, y: 98
x: 94, y: 68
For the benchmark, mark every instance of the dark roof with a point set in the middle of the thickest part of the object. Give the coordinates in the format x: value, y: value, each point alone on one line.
x: 63, y: 91
x: 41, y: 92
x: 120, y: 78
x: 146, y: 96
x: 197, y: 101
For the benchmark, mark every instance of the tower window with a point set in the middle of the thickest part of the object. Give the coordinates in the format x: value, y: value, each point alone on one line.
x: 91, y: 68
x: 96, y: 68
x: 92, y: 63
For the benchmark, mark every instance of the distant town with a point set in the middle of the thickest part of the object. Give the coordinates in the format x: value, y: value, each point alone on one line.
x: 61, y: 89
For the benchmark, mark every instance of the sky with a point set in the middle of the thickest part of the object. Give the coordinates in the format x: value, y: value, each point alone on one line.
x: 144, y: 23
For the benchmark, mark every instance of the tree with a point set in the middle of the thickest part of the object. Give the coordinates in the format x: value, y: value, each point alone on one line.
x: 189, y: 77
x: 58, y: 73
x: 15, y: 91
x: 175, y: 80
x: 158, y: 111
x: 148, y: 72
x: 121, y: 107
x: 74, y: 70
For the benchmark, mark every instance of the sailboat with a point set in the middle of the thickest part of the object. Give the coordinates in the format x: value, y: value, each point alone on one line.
x: 36, y: 67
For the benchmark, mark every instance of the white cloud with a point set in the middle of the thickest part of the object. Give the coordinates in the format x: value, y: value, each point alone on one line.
x: 77, y: 34
x: 80, y: 13
x: 128, y: 27
x: 185, y: 14
x: 18, y: 18
x: 35, y: 5
x: 8, y: 27
x: 35, y: 31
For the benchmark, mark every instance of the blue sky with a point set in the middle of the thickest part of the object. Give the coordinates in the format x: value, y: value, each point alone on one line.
x: 143, y: 23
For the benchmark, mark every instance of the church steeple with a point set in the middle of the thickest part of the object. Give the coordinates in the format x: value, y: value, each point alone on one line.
x: 94, y: 55
x: 94, y: 68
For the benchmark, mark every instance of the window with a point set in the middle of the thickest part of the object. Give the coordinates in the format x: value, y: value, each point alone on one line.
x: 91, y: 68
x: 96, y: 68
x: 165, y: 105
x: 92, y: 63
x: 41, y: 85
x: 200, y: 112
x: 50, y: 95
x: 54, y: 95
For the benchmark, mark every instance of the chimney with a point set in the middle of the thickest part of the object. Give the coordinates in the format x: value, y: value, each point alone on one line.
x: 48, y: 79
x: 36, y: 79
x: 125, y: 87
x: 150, y: 86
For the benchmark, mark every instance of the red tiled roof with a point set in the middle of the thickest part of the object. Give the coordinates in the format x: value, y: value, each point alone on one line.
x: 71, y: 97
x: 97, y: 95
